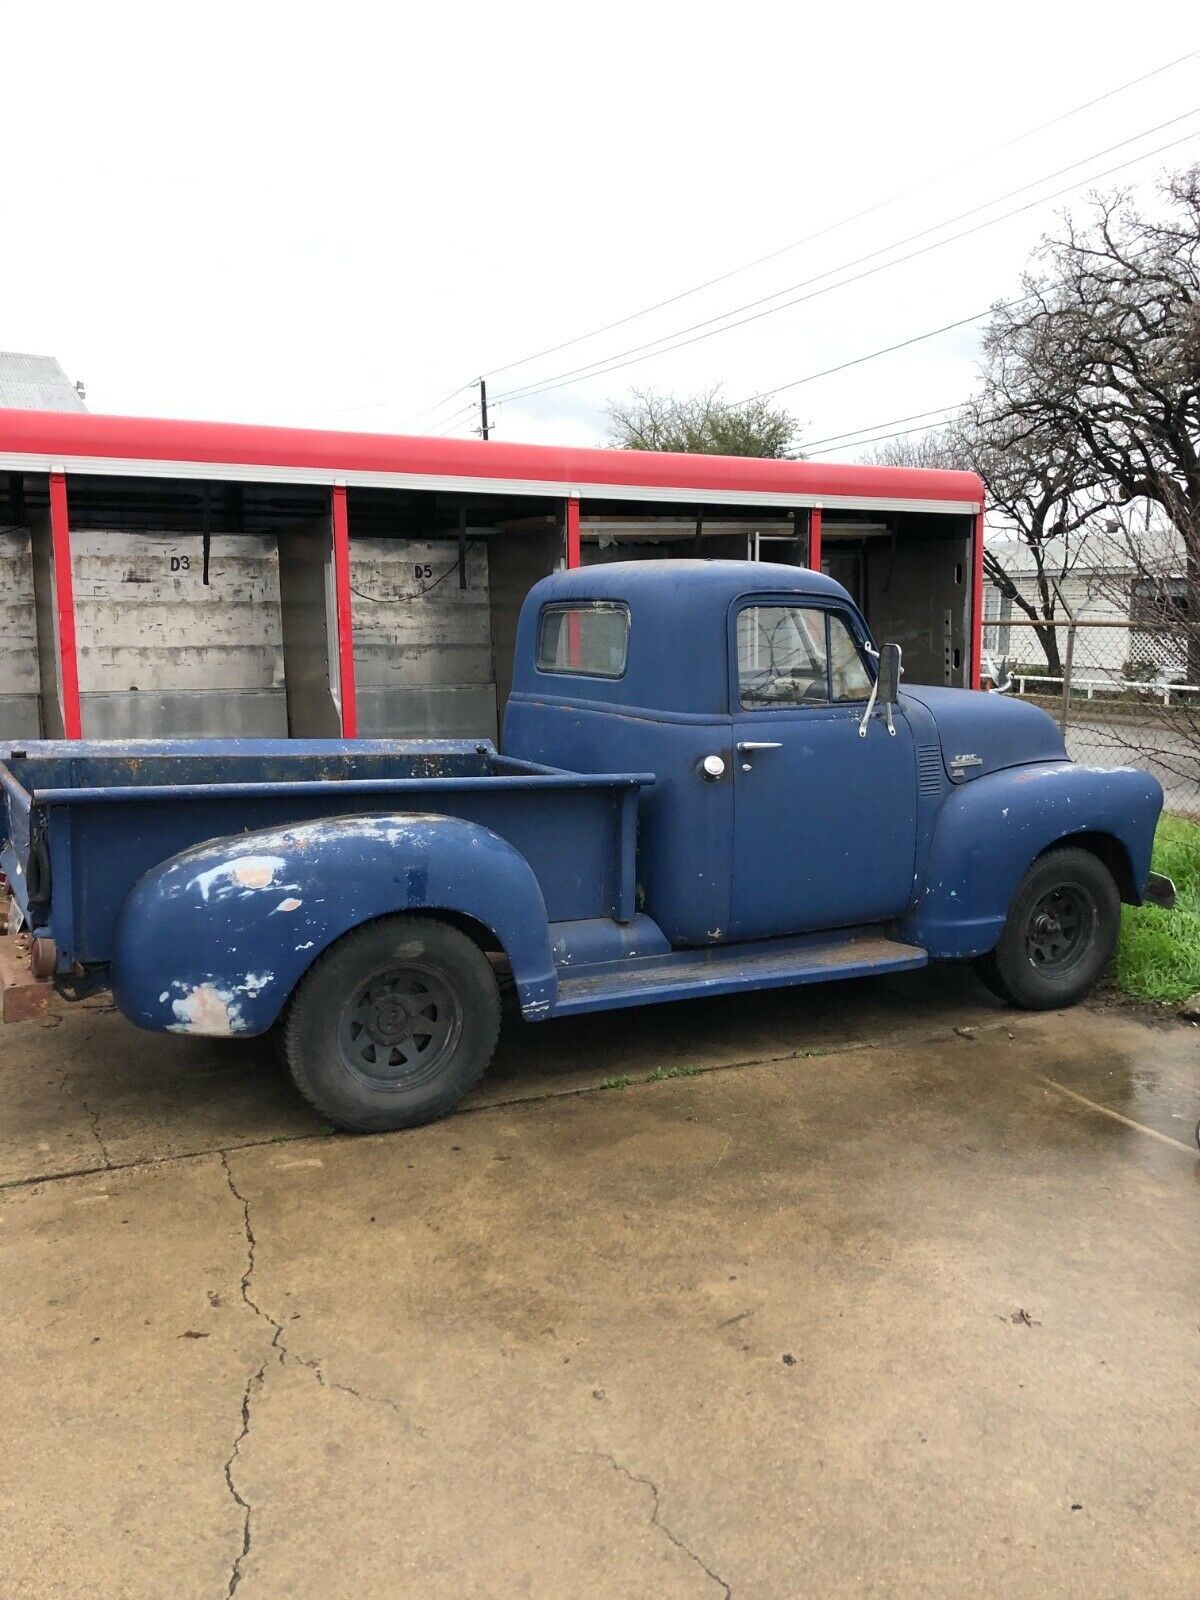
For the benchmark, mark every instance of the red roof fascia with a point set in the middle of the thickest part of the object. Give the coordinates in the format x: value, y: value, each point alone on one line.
x: 71, y: 435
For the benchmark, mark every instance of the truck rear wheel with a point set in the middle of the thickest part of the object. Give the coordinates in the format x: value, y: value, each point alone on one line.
x: 393, y: 1024
x: 1060, y: 934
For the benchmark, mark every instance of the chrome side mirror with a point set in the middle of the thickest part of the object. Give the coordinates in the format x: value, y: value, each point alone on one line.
x: 890, y: 669
x: 885, y: 691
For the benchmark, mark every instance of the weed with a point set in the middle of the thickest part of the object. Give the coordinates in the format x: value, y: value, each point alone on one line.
x: 1158, y: 957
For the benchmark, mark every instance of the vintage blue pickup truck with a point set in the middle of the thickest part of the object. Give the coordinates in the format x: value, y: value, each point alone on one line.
x: 710, y: 781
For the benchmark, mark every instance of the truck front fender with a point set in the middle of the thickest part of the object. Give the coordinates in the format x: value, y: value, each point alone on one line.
x: 214, y: 940
x: 991, y: 829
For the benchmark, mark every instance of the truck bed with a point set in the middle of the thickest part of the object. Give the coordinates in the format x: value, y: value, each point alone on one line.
x: 82, y: 822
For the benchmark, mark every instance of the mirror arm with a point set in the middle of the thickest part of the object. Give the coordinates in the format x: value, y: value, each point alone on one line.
x: 866, y: 716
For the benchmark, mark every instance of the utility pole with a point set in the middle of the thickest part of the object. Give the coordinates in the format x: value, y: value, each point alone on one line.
x: 483, y: 418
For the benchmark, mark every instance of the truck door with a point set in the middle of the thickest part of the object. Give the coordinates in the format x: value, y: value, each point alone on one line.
x: 824, y: 820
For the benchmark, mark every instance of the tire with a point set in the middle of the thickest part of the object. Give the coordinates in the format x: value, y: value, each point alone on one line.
x: 1060, y: 934
x: 988, y: 975
x: 393, y: 1025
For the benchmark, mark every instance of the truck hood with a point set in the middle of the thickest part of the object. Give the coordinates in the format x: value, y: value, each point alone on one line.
x: 983, y: 733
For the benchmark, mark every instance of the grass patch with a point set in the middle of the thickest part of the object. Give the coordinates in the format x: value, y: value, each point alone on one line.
x: 661, y: 1074
x: 1158, y: 957
x: 622, y: 1082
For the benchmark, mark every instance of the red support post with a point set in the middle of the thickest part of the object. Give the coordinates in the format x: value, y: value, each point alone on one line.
x: 345, y: 622
x: 814, y: 539
x: 976, y: 619
x: 64, y: 607
x: 574, y: 637
x: 572, y: 533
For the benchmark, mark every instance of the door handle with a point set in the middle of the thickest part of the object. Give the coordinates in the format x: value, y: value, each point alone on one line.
x: 746, y: 746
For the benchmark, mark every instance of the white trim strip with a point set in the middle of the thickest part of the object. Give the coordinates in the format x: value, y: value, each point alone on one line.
x: 242, y: 472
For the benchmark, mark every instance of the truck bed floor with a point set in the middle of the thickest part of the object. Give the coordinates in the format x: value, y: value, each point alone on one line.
x: 771, y: 964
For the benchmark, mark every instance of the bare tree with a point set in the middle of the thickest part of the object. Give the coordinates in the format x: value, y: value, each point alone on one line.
x: 1041, y: 484
x: 702, y: 424
x: 1101, y: 360
x: 939, y: 448
x: 1037, y: 483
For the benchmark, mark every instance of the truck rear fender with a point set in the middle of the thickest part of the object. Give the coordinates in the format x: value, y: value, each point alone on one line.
x: 214, y: 940
x: 990, y: 830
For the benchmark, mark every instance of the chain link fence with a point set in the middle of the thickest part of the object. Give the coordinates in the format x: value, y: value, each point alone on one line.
x: 1119, y: 687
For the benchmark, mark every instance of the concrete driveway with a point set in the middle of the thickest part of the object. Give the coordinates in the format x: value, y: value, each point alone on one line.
x: 913, y: 1313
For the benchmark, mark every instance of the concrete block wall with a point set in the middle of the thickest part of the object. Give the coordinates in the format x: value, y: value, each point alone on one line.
x: 308, y: 608
x: 161, y: 653
x: 20, y: 673
x: 422, y: 645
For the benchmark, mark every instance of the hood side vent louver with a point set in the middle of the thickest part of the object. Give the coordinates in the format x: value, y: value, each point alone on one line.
x: 930, y: 777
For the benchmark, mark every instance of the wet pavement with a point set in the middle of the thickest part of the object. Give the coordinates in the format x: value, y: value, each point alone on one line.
x: 875, y: 1289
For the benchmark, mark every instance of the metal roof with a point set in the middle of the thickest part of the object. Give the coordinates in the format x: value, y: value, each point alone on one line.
x: 33, y: 441
x: 36, y: 383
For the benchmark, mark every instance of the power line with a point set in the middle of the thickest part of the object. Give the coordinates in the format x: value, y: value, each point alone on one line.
x: 455, y: 425
x: 448, y: 424
x: 634, y: 359
x: 378, y: 405
x: 870, y: 427
x: 879, y: 438
x: 903, y: 344
x: 887, y: 349
x: 704, y: 330
x: 796, y: 244
x: 445, y: 400
x: 843, y: 222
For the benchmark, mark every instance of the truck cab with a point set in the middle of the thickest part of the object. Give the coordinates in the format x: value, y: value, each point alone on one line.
x: 789, y: 795
x: 743, y: 687
x: 712, y: 779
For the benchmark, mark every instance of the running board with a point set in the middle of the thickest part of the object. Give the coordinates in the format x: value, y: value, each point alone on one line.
x: 723, y: 969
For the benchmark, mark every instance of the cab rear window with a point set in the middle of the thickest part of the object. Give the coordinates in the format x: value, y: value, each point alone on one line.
x: 590, y: 638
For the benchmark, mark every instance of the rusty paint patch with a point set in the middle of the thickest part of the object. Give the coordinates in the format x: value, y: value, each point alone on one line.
x: 215, y: 1011
x: 207, y: 1010
x: 245, y: 873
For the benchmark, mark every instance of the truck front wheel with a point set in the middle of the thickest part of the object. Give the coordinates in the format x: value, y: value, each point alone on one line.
x: 1060, y: 934
x: 393, y: 1024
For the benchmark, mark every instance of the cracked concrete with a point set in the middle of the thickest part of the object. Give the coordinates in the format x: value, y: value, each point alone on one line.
x: 280, y: 1350
x: 235, y: 1573
x: 912, y: 1317
x: 253, y: 1383
x: 656, y: 1519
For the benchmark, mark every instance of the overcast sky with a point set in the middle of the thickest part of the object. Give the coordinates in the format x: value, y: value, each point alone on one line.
x: 337, y: 214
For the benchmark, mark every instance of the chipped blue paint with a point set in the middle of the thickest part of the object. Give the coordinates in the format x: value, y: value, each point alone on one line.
x: 227, y: 963
x: 980, y: 849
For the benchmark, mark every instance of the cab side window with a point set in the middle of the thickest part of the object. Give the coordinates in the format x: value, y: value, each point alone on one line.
x: 797, y: 655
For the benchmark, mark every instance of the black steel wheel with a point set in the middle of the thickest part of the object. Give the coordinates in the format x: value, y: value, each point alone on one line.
x: 1059, y: 926
x: 1060, y: 934
x: 400, y: 1027
x: 393, y: 1025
